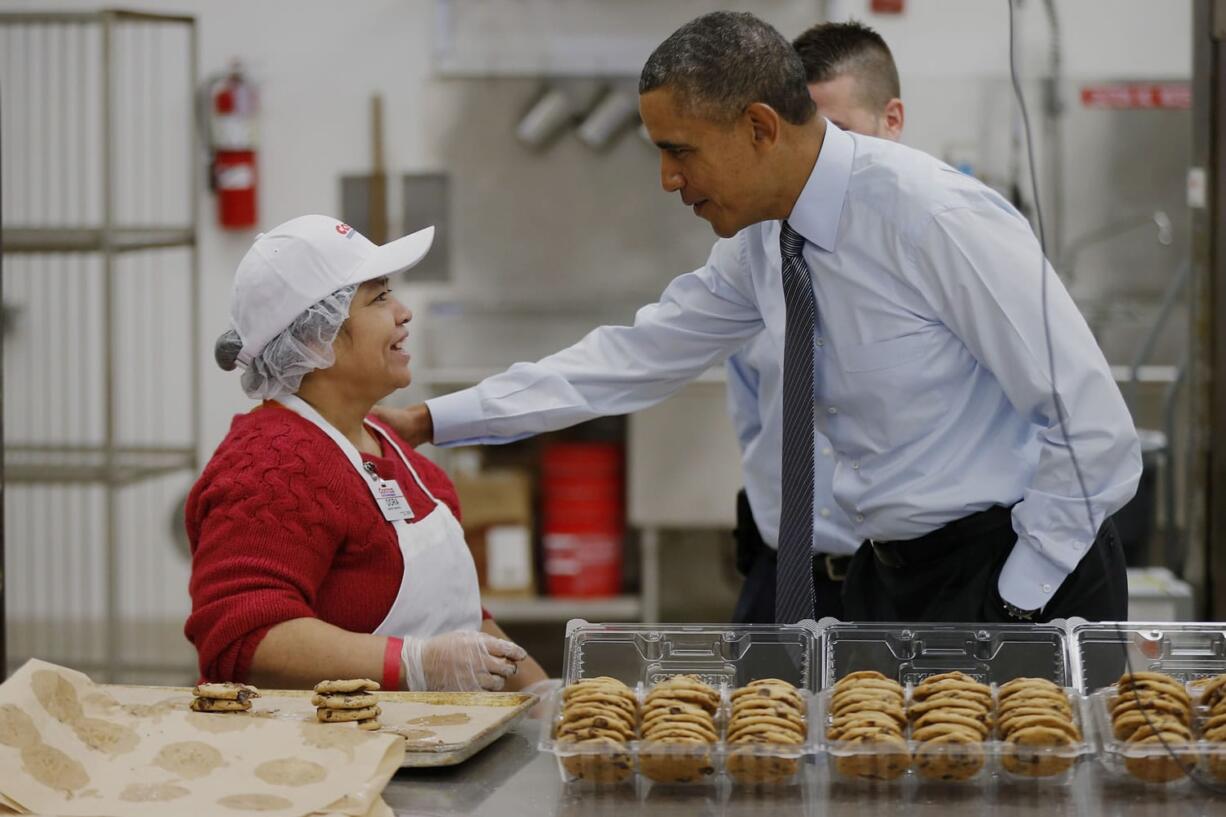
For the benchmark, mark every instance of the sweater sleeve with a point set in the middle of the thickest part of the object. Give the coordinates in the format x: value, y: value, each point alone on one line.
x: 264, y: 536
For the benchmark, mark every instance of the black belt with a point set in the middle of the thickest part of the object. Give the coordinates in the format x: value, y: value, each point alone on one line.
x: 941, y: 542
x: 835, y: 567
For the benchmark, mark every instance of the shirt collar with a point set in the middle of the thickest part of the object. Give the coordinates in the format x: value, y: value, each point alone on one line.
x: 817, y: 212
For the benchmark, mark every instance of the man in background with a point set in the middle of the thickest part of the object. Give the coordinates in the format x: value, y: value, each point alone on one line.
x: 853, y: 80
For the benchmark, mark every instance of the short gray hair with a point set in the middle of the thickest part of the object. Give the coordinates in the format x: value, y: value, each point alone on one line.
x: 720, y: 63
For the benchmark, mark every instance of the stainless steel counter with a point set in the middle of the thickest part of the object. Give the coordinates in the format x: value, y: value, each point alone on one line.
x: 512, y: 778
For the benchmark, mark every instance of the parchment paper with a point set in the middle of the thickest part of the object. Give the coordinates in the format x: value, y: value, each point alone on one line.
x: 68, y: 747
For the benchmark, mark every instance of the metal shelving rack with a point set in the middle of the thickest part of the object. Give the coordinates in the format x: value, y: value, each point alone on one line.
x: 76, y: 202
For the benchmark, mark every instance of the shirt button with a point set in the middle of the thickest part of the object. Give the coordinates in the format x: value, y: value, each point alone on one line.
x: 832, y: 410
x: 859, y: 517
x: 825, y: 513
x: 820, y: 342
x: 1047, y: 588
x: 855, y: 465
x: 826, y: 451
x: 1078, y: 546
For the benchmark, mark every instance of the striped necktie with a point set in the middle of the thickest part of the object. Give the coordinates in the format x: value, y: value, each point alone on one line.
x: 794, y: 597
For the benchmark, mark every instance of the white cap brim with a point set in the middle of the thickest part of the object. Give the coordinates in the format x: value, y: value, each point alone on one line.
x: 394, y: 256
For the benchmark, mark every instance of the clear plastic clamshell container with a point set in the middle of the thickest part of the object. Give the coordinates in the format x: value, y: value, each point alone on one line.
x: 989, y: 653
x: 724, y: 656
x: 1186, y: 651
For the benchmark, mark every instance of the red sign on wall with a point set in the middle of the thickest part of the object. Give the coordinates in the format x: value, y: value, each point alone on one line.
x: 887, y: 6
x: 1138, y: 95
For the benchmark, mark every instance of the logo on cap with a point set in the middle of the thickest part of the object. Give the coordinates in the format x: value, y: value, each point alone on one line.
x: 344, y: 229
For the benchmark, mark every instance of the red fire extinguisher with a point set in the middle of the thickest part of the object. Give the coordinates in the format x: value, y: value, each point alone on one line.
x: 232, y: 142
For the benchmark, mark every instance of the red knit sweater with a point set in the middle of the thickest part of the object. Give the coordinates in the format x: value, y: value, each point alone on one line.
x: 282, y: 527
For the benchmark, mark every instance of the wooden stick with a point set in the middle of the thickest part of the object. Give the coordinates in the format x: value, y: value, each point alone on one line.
x: 378, y: 175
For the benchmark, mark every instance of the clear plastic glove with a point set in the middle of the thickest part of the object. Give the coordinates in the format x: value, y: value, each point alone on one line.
x: 462, y: 661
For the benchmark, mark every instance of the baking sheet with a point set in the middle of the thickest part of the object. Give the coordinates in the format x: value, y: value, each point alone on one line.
x: 439, y: 728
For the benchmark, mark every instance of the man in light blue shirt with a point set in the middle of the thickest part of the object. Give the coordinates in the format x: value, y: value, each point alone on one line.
x: 852, y: 78
x: 930, y: 372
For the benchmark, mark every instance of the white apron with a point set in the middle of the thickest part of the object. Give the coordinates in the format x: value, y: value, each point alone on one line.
x: 438, y: 589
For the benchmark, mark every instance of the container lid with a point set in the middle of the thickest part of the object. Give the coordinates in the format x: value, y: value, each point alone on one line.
x: 1104, y: 650
x: 908, y: 653
x: 729, y: 654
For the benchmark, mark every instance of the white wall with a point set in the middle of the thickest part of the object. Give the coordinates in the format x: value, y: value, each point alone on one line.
x: 952, y: 38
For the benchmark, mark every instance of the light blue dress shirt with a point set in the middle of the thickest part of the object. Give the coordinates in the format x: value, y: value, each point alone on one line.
x: 932, y: 378
x: 755, y: 404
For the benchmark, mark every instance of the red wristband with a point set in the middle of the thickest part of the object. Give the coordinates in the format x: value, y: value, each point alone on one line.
x: 391, y: 664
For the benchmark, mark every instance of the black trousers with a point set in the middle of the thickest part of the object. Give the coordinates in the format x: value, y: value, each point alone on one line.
x: 757, y: 562
x: 951, y: 575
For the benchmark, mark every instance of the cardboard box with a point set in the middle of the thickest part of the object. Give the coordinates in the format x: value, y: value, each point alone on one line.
x: 496, y: 512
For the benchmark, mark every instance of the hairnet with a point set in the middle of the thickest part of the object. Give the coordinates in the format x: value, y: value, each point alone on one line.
x: 306, y: 345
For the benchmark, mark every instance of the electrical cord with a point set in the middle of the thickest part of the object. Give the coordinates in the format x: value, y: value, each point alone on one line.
x: 1188, y: 767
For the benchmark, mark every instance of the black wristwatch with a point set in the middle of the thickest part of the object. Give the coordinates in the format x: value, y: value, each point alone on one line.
x: 1012, y: 611
x: 1017, y: 613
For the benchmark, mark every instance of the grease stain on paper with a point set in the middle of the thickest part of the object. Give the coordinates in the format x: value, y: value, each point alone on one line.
x: 290, y: 771
x: 152, y: 792
x: 17, y: 729
x: 57, y: 696
x: 53, y: 768
x: 255, y: 802
x: 105, y: 736
x: 325, y: 736
x: 190, y: 759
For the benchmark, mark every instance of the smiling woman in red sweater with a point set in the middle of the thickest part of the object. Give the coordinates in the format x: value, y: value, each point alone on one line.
x: 322, y: 545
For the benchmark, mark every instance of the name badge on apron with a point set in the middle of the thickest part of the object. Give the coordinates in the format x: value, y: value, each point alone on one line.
x: 391, y: 499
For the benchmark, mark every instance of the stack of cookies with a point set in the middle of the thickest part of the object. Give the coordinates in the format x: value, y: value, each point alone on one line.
x: 348, y: 701
x: 1213, y: 697
x: 951, y: 716
x: 768, y: 711
x: 600, y: 715
x: 223, y: 697
x: 1153, y: 710
x: 1034, y: 717
x: 867, y: 718
x: 679, y: 722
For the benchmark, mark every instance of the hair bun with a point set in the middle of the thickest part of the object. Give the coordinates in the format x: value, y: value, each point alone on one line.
x: 226, y: 349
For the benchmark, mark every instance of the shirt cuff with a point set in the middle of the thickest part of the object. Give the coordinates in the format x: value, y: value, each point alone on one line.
x: 1029, y: 580
x: 457, y: 417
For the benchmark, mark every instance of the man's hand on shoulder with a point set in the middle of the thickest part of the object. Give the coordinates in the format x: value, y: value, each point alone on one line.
x: 413, y: 424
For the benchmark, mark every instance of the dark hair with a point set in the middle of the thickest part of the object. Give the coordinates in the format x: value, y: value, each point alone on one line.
x: 226, y: 349
x: 830, y: 50
x: 722, y: 62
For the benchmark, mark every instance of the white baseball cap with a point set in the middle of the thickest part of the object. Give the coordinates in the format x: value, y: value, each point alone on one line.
x: 299, y: 263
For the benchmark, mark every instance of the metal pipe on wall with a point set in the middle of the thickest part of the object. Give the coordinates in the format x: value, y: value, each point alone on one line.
x: 113, y: 634
x: 1053, y: 116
